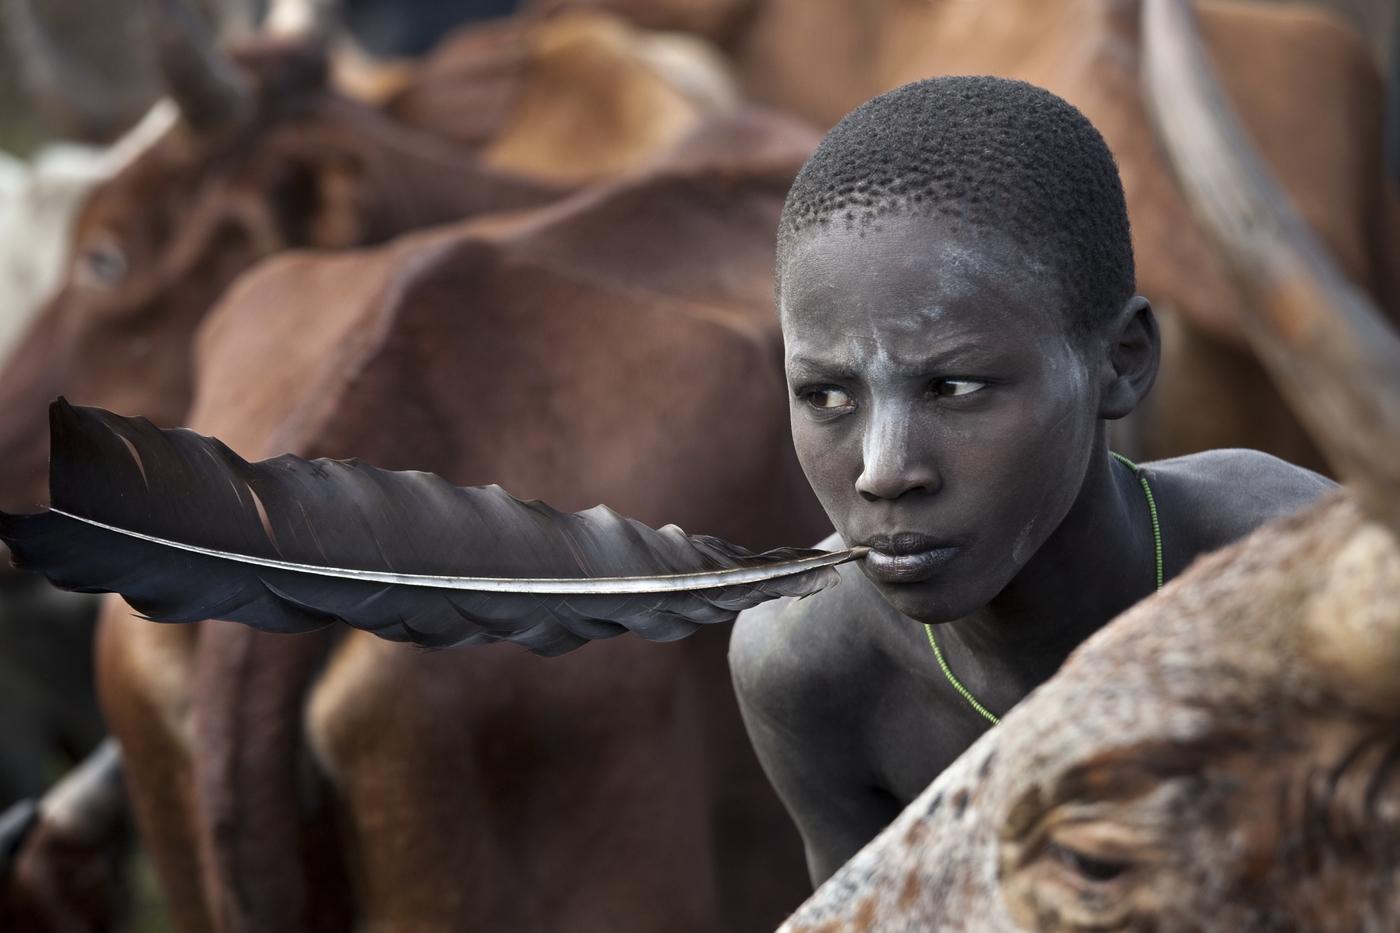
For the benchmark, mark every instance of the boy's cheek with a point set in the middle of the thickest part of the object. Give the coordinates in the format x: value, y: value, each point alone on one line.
x: 825, y: 456
x: 835, y: 500
x: 830, y: 471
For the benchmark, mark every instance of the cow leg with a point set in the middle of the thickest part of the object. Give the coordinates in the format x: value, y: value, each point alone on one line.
x: 488, y: 789
x: 1210, y: 395
x: 270, y: 864
x: 143, y: 682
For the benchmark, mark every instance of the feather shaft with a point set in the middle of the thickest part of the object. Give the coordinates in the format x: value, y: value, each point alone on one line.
x: 544, y: 586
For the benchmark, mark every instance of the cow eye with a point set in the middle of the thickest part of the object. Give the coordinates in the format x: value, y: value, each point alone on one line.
x: 1089, y: 867
x: 102, y: 264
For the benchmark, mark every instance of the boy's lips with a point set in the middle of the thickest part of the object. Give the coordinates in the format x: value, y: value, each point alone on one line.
x: 906, y: 558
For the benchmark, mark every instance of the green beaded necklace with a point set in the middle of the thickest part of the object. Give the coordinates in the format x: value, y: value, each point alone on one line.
x: 1156, y: 544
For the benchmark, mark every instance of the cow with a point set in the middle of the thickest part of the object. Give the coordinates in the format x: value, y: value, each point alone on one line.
x: 1319, y: 127
x: 46, y: 691
x: 296, y: 165
x: 262, y: 157
x: 38, y: 198
x: 718, y: 21
x: 258, y: 154
x: 586, y: 351
x: 1224, y: 755
x: 645, y: 92
x: 265, y: 156
x: 239, y: 164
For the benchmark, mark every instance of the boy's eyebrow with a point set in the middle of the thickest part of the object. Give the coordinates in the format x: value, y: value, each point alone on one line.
x: 831, y: 367
x: 961, y: 353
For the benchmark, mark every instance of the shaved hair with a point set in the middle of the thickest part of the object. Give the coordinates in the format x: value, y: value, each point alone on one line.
x: 990, y: 153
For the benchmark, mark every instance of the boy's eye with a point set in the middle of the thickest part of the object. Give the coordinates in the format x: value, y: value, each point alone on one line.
x: 827, y: 398
x: 952, y: 388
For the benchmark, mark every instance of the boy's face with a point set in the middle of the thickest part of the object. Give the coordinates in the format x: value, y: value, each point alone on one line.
x: 941, y: 411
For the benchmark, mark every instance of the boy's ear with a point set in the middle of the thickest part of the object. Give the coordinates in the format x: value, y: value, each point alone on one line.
x: 1131, y: 352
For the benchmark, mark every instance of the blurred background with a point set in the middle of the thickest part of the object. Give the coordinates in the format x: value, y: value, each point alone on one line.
x: 536, y: 102
x: 117, y: 77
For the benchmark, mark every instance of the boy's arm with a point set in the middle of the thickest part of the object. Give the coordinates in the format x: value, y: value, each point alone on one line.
x: 801, y: 729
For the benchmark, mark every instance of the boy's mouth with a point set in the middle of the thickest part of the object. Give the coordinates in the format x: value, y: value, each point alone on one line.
x: 906, y: 558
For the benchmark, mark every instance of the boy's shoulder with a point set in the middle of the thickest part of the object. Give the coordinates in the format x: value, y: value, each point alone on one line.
x: 1218, y: 496
x: 805, y: 657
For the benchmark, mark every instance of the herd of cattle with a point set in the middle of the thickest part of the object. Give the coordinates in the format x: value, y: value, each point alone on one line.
x: 545, y: 258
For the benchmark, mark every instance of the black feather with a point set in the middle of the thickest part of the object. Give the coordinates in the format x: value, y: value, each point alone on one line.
x: 340, y: 517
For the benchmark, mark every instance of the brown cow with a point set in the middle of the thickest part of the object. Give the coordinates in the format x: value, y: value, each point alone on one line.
x: 297, y: 165
x: 1223, y: 756
x: 1318, y: 126
x: 585, y: 352
x: 291, y: 163
x: 264, y: 157
x: 514, y: 90
x: 718, y: 21
x: 301, y: 166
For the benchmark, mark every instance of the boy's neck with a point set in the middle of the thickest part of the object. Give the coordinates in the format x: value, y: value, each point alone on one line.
x: 1097, y: 563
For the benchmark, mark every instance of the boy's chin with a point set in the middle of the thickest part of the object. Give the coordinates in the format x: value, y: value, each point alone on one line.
x: 929, y: 603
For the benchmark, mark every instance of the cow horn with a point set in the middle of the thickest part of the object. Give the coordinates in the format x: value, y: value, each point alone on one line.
x: 1327, y: 348
x: 16, y: 823
x: 204, y: 83
x: 84, y: 809
x: 90, y: 800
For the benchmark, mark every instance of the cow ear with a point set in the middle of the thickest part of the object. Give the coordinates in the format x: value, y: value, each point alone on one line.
x: 1129, y: 355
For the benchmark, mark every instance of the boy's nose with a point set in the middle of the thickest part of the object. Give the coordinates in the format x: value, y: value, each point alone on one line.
x: 893, y: 464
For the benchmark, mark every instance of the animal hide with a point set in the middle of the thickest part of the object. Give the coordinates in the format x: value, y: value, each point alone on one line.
x: 185, y: 530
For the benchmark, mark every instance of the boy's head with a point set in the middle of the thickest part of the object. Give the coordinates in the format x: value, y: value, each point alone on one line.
x: 982, y: 153
x: 955, y: 283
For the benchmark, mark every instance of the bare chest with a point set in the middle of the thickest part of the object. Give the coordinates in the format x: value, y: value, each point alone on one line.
x: 917, y: 728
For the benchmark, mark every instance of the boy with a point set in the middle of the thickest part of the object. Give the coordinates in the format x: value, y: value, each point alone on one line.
x: 956, y: 291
